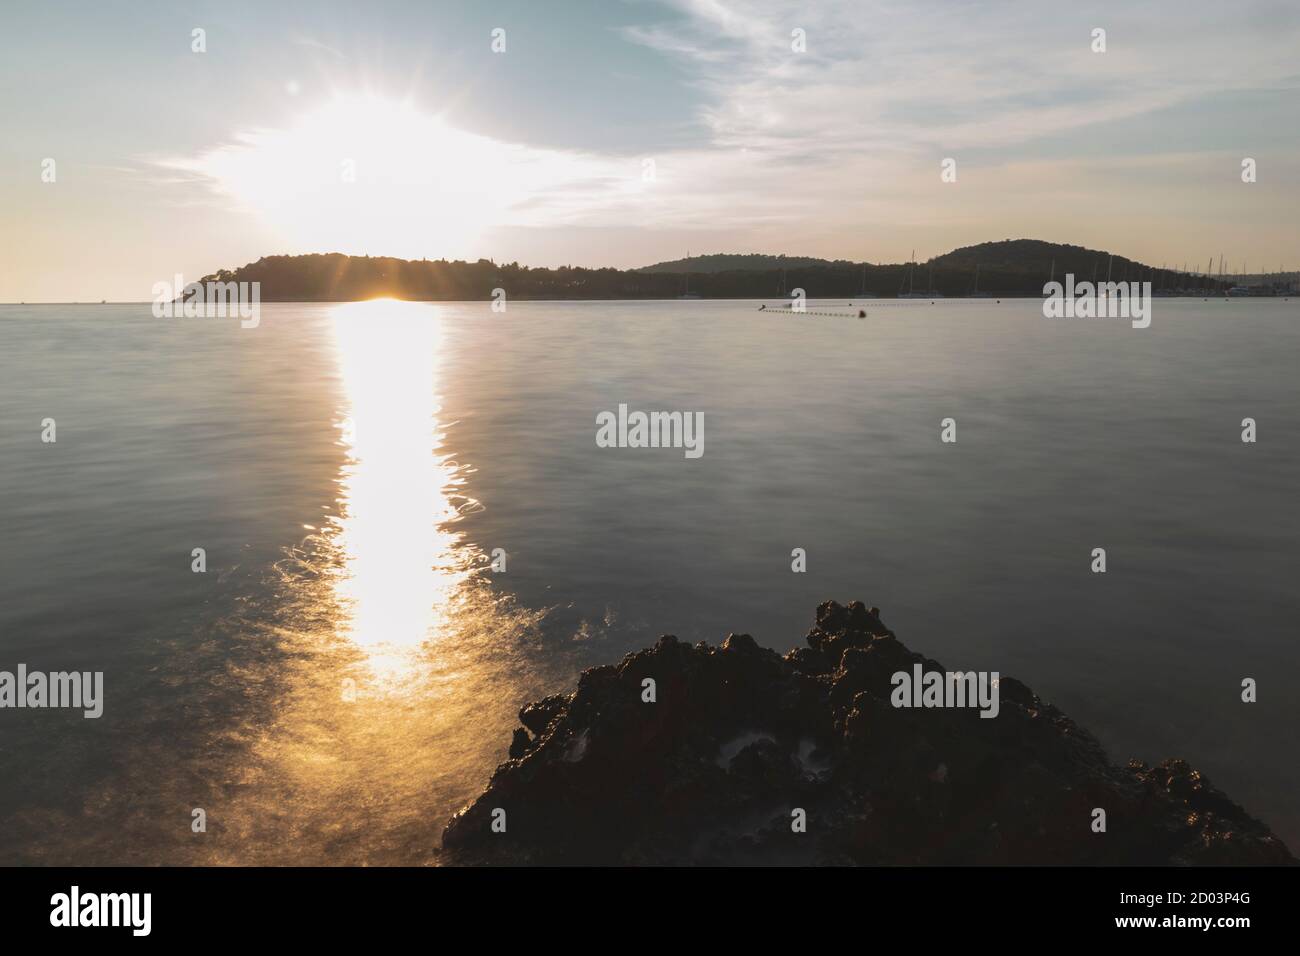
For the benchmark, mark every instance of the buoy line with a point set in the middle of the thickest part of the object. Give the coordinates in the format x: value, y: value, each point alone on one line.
x: 784, y: 307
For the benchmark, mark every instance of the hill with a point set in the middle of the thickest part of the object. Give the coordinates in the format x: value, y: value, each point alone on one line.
x: 1014, y: 267
x: 734, y: 262
x: 1039, y: 258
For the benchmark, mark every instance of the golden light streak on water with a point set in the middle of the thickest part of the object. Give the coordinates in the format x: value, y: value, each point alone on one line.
x: 398, y: 670
x: 341, y: 703
x: 403, y: 565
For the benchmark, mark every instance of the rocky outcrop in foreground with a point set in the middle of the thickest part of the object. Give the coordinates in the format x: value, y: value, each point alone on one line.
x: 739, y: 739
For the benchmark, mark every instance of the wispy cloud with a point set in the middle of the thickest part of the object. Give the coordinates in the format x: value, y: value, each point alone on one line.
x: 850, y: 132
x: 902, y: 73
x: 315, y: 44
x: 857, y: 125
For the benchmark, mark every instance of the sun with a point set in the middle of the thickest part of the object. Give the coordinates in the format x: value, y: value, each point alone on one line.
x: 364, y: 174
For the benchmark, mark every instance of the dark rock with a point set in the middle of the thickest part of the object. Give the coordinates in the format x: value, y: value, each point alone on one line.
x: 538, y: 715
x: 739, y: 738
x: 520, y: 744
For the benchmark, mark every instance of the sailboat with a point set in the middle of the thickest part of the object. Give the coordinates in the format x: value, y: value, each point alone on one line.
x: 864, y: 294
x: 686, y: 289
x: 911, y: 293
x: 1162, y: 282
x: 975, y: 292
x: 1101, y: 293
x: 911, y: 265
x: 934, y: 293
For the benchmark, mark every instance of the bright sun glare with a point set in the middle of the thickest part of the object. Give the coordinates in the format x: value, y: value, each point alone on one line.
x: 366, y: 174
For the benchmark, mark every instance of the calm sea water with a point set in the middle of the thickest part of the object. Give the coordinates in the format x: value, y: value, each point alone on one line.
x: 347, y: 670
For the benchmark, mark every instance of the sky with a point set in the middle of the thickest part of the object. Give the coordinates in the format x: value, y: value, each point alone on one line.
x: 625, y: 132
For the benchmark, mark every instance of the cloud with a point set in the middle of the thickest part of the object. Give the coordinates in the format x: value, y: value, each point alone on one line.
x: 363, y: 173
x: 313, y: 44
x: 857, y: 124
x: 815, y: 146
x: 911, y: 74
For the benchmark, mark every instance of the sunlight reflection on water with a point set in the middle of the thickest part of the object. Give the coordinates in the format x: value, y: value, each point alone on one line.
x: 403, y: 567
x: 397, y: 652
x: 224, y: 688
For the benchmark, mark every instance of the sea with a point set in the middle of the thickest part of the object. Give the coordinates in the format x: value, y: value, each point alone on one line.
x: 322, y: 562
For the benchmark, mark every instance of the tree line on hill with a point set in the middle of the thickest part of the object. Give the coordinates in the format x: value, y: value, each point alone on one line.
x: 1011, y: 268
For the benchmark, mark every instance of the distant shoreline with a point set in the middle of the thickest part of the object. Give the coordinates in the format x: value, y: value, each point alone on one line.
x: 919, y: 300
x: 1007, y: 269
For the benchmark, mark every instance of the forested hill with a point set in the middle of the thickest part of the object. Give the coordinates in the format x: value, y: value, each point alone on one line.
x: 1010, y: 268
x: 1035, y: 257
x: 752, y: 262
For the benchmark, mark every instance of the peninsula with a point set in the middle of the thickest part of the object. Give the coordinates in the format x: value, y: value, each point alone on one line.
x: 1016, y: 267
